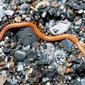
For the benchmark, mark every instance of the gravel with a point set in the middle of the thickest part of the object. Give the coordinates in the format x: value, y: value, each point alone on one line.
x: 28, y: 60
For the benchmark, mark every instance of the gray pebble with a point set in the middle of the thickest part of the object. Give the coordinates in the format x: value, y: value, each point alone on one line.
x: 45, y: 79
x: 9, y: 12
x: 24, y: 8
x: 67, y: 45
x: 2, y: 13
x: 19, y: 55
x: 26, y: 36
x: 83, y: 81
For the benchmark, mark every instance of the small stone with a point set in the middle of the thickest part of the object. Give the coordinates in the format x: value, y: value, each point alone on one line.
x: 0, y: 19
x: 2, y: 55
x: 78, y: 79
x: 17, y: 19
x: 74, y: 5
x: 6, y: 39
x: 60, y: 28
x: 45, y: 79
x: 26, y: 48
x: 75, y: 82
x: 67, y: 45
x: 27, y: 18
x: 26, y: 36
x: 20, y: 67
x: 9, y: 12
x: 12, y: 81
x: 3, y: 78
x: 52, y: 10
x: 44, y: 14
x: 68, y: 77
x: 2, y: 13
x: 68, y: 70
x: 59, y: 56
x: 10, y: 64
x: 61, y: 69
x: 29, y: 71
x: 24, y: 9
x: 20, y: 55
x: 83, y: 81
x: 2, y: 43
x: 1, y: 50
x: 48, y: 83
x: 80, y: 11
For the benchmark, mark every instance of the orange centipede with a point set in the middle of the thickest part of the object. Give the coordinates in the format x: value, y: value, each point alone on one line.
x: 42, y: 36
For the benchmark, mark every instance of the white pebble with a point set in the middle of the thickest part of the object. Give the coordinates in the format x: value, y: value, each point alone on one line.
x: 26, y: 48
x: 61, y: 27
x: 2, y: 43
x: 9, y: 12
x: 0, y: 50
x: 44, y: 14
x: 80, y: 11
x: 20, y: 67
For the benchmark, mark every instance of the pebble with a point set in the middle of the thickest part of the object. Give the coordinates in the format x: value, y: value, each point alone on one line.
x: 20, y: 67
x: 80, y: 11
x: 83, y: 81
x: 26, y: 48
x: 12, y: 81
x: 67, y: 45
x: 75, y: 82
x: 1, y: 13
x: 61, y: 69
x: 45, y: 79
x: 44, y: 14
x: 52, y: 10
x: 50, y: 23
x: 1, y: 50
x: 24, y: 9
x: 59, y: 56
x: 27, y: 19
x: 60, y: 28
x: 9, y: 12
x: 17, y: 19
x: 2, y: 43
x: 2, y: 55
x: 26, y: 36
x: 48, y: 83
x: 45, y: 53
x: 19, y: 55
x: 30, y: 56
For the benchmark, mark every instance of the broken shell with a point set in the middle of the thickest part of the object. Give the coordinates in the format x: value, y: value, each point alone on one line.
x: 61, y: 27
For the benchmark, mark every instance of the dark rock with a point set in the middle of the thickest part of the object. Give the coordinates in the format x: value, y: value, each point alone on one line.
x: 6, y: 51
x: 26, y: 36
x: 80, y: 70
